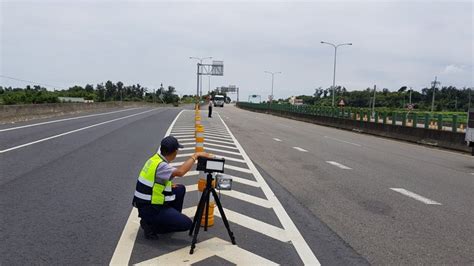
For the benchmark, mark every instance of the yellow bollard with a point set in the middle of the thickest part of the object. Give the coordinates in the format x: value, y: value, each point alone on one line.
x: 199, y: 138
x: 198, y: 120
x: 210, y: 216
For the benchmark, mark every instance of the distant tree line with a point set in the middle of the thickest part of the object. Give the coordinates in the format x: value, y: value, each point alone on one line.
x: 447, y: 98
x: 100, y: 93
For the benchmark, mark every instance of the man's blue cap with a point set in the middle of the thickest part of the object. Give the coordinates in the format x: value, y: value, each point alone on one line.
x: 170, y: 144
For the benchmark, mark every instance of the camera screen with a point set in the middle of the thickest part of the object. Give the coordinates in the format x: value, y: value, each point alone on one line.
x: 215, y: 165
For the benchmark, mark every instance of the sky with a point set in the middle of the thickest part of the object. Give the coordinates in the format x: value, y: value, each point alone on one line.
x: 395, y: 43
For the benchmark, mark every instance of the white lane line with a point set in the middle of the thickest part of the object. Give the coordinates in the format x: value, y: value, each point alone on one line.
x: 300, y: 149
x: 218, y: 138
x: 247, y: 198
x: 304, y: 251
x: 212, y: 149
x: 245, y: 181
x: 181, y: 136
x: 187, y: 143
x: 415, y: 196
x: 338, y: 165
x: 235, y: 168
x: 218, y: 145
x: 72, y: 131
x: 212, y: 247
x: 185, y: 139
x: 275, y: 139
x: 343, y: 141
x: 218, y: 141
x: 248, y: 222
x: 225, y: 157
x: 66, y: 119
x: 123, y: 250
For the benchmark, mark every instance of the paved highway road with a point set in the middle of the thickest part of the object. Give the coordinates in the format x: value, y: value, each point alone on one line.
x: 341, y: 197
x: 393, y: 202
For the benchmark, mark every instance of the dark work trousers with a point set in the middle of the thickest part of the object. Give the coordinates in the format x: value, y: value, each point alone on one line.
x: 210, y: 111
x: 167, y: 218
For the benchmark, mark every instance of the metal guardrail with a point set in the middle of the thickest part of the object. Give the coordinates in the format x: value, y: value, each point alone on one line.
x: 451, y: 122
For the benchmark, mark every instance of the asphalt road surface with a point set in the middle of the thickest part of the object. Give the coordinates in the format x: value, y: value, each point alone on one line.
x: 302, y: 193
x: 393, y: 202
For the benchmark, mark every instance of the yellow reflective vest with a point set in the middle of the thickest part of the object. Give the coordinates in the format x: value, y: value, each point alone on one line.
x: 151, y: 189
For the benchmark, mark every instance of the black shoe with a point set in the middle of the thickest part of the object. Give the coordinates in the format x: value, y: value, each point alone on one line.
x: 148, y: 230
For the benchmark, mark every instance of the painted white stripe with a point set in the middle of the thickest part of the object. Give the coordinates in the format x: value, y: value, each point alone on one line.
x: 216, y: 134
x: 275, y: 139
x: 248, y: 198
x: 218, y: 145
x: 72, y: 131
x: 343, y: 141
x: 300, y: 149
x: 218, y: 138
x: 235, y: 168
x: 219, y: 141
x: 248, y: 222
x: 187, y: 149
x: 415, y: 196
x: 185, y: 139
x: 225, y: 157
x: 338, y: 165
x: 192, y: 173
x: 209, y: 248
x: 124, y: 247
x: 187, y: 143
x: 245, y: 181
x: 66, y: 119
x: 229, y: 152
x: 182, y: 136
x: 304, y: 251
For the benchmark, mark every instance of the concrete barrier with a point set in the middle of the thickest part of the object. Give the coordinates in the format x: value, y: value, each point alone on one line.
x: 17, y: 113
x: 431, y: 137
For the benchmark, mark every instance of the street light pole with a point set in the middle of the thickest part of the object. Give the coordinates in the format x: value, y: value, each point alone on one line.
x: 334, y: 72
x: 273, y: 76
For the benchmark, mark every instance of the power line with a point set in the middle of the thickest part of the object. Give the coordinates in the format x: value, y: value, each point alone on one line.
x: 32, y: 82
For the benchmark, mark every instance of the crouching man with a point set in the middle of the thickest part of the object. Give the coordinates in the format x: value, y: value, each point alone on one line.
x: 158, y: 201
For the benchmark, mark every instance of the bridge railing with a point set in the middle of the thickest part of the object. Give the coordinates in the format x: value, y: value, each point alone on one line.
x: 436, y: 121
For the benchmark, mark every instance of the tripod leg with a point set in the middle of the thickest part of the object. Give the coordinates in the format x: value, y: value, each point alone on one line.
x: 197, y: 217
x: 224, y: 218
x: 206, y: 218
x: 199, y: 212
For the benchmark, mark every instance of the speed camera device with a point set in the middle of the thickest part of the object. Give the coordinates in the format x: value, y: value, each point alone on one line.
x: 211, y: 165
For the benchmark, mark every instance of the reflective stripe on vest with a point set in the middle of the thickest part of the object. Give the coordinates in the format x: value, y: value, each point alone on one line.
x: 153, y: 190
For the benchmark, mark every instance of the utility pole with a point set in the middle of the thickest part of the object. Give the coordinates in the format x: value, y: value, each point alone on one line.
x: 434, y: 84
x: 410, y: 94
x: 373, y: 102
x: 469, y: 104
x: 273, y: 75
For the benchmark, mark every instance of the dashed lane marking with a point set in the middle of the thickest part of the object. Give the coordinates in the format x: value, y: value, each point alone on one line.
x: 343, y: 141
x: 415, y: 196
x: 275, y: 139
x: 339, y: 165
x: 300, y: 149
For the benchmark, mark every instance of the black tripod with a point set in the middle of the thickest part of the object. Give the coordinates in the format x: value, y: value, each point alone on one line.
x: 204, y: 204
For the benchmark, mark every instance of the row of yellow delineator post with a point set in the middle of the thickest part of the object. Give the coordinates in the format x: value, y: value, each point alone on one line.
x: 199, y: 135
